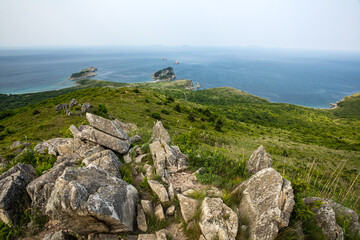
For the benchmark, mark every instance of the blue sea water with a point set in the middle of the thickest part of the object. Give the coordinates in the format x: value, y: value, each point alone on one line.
x: 307, y: 78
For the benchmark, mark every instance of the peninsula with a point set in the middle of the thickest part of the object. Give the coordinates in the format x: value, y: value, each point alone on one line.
x: 166, y: 74
x: 85, y: 73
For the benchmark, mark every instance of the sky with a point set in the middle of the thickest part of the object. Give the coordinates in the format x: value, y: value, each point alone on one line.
x: 303, y: 24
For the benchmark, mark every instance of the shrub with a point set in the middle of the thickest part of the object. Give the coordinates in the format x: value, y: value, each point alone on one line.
x: 191, y: 118
x: 177, y: 108
x: 164, y: 111
x: 156, y: 115
x: 35, y: 112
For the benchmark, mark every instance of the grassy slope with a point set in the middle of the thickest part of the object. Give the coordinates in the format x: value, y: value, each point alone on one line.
x: 293, y: 135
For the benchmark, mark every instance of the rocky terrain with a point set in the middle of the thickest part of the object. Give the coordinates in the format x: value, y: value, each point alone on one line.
x: 85, y: 73
x: 166, y: 74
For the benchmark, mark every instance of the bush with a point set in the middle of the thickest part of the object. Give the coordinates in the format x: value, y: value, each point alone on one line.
x: 136, y: 90
x: 191, y: 118
x: 177, y: 108
x: 164, y: 111
x: 35, y: 112
x: 156, y: 115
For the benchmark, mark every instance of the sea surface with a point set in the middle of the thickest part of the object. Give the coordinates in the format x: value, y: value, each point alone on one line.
x: 307, y: 78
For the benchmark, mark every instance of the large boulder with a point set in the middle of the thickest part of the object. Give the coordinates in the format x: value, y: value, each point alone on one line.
x: 106, y: 160
x: 217, y: 221
x: 61, y: 107
x: 78, y: 149
x: 325, y: 218
x: 106, y: 126
x: 52, y: 145
x: 89, y: 200
x: 259, y: 160
x: 40, y: 189
x: 126, y: 127
x: 266, y: 203
x: 87, y: 107
x: 73, y: 102
x: 160, y: 133
x: 188, y: 207
x: 105, y: 140
x: 12, y: 189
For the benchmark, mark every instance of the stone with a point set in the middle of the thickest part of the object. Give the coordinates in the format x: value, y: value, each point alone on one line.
x: 73, y: 102
x: 159, y: 212
x: 135, y: 139
x: 16, y: 144
x: 147, y: 207
x: 59, y: 235
x: 188, y: 207
x: 181, y: 159
x: 266, y: 203
x: 40, y: 189
x: 102, y: 236
x: 52, y: 145
x: 259, y: 160
x: 126, y: 127
x: 106, y: 160
x: 141, y: 219
x: 171, y: 192
x: 106, y: 126
x: 170, y: 210
x: 202, y: 237
x: 139, y: 158
x: 12, y: 189
x: 127, y: 158
x: 161, y: 235
x: 160, y: 133
x: 61, y: 107
x: 217, y: 221
x: 78, y: 149
x: 87, y: 107
x: 89, y: 200
x: 159, y: 190
x: 147, y: 237
x: 325, y: 218
x: 149, y: 171
x: 105, y: 140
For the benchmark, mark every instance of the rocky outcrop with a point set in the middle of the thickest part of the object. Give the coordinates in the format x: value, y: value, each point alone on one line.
x: 87, y: 107
x: 52, y: 145
x: 59, y: 235
x: 89, y: 200
x: 266, y: 203
x: 73, y: 102
x: 126, y: 127
x: 165, y: 74
x: 160, y: 133
x: 325, y: 218
x: 106, y: 160
x: 60, y: 107
x: 77, y: 149
x: 12, y: 189
x: 85, y: 73
x: 259, y: 160
x: 217, y: 221
x: 106, y: 126
x: 188, y: 207
x: 159, y: 190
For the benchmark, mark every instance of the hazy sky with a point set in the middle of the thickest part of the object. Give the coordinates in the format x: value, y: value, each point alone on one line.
x: 314, y: 24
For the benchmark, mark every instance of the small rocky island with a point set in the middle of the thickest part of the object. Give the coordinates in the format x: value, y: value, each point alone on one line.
x: 166, y: 74
x: 85, y: 73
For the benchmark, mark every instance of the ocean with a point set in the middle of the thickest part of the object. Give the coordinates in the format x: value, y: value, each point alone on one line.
x: 301, y: 77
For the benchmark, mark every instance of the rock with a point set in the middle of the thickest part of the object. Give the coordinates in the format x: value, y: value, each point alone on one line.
x: 73, y: 102
x: 217, y: 221
x: 259, y: 160
x: 147, y: 207
x: 87, y: 107
x: 141, y: 219
x: 202, y: 237
x: 52, y: 145
x: 105, y: 140
x: 171, y: 192
x: 106, y: 126
x: 102, y: 236
x: 135, y: 139
x: 147, y: 237
x: 325, y: 218
x: 16, y: 144
x: 61, y: 107
x: 126, y: 127
x: 12, y: 189
x: 59, y: 235
x: 127, y: 158
x: 190, y: 226
x: 170, y: 210
x: 160, y: 133
x: 106, y: 160
x: 77, y: 149
x: 266, y: 203
x: 149, y: 171
x: 138, y: 159
x: 166, y: 74
x: 40, y: 189
x: 161, y: 235
x: 89, y: 200
x: 159, y: 212
x: 159, y: 190
x: 188, y: 207
x: 181, y: 159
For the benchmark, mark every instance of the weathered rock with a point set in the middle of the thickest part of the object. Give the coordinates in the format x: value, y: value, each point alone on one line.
x: 52, y: 145
x: 149, y: 171
x: 59, y: 235
x: 89, y: 200
x: 160, y: 133
x: 161, y: 235
x: 40, y: 189
x: 139, y: 158
x: 73, y: 102
x: 16, y: 144
x: 217, y: 221
x: 106, y: 126
x: 141, y: 219
x: 325, y: 218
x: 126, y: 127
x: 188, y: 207
x: 87, y: 107
x: 147, y: 237
x: 106, y: 160
x: 78, y: 149
x: 127, y: 158
x: 135, y: 139
x: 12, y: 189
x: 147, y: 207
x: 266, y: 203
x: 91, y: 134
x: 259, y: 160
x: 170, y: 210
x: 171, y: 191
x: 61, y: 107
x: 202, y: 237
x: 159, y: 190
x: 159, y: 212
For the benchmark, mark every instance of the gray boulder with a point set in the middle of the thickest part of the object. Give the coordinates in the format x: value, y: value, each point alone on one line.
x: 87, y: 107
x: 105, y: 140
x: 89, y: 200
x: 16, y: 144
x: 78, y: 149
x: 106, y: 160
x: 141, y: 219
x: 59, y: 235
x: 73, y: 102
x: 259, y: 160
x: 12, y: 189
x: 267, y: 201
x: 160, y: 133
x: 52, y: 145
x: 217, y: 221
x: 159, y: 190
x: 159, y: 212
x: 106, y: 126
x: 61, y: 107
x: 325, y: 218
x: 126, y: 127
x: 147, y: 207
x: 188, y: 207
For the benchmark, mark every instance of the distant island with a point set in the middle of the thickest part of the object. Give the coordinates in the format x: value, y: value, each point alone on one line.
x: 85, y: 73
x: 166, y: 74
